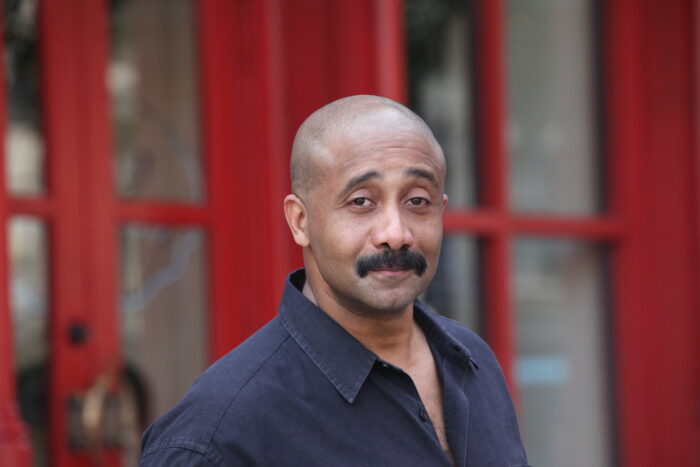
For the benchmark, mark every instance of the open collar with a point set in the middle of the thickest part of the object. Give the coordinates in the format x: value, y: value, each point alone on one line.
x: 344, y: 361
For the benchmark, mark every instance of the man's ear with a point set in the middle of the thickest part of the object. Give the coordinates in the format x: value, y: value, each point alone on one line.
x: 444, y: 200
x: 295, y: 212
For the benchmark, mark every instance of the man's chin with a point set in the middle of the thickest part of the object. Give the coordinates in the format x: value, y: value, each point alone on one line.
x: 390, y: 302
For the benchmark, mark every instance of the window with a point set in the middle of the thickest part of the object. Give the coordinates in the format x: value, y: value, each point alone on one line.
x: 511, y: 97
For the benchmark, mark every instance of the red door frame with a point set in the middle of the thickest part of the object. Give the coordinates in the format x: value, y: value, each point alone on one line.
x: 79, y: 210
x: 651, y: 137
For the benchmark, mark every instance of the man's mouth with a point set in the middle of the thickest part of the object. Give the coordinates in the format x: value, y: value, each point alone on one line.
x: 392, y: 261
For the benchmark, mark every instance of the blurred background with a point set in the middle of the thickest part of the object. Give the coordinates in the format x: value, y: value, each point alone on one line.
x: 146, y: 159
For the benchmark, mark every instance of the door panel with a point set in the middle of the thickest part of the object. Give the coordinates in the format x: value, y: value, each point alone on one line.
x: 163, y: 311
x: 155, y: 106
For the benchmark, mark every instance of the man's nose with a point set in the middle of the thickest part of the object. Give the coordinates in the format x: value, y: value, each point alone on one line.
x: 392, y: 229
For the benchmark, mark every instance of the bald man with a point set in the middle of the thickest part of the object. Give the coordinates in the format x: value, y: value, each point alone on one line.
x: 354, y: 370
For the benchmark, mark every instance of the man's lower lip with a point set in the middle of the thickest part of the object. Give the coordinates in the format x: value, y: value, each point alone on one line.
x: 391, y: 271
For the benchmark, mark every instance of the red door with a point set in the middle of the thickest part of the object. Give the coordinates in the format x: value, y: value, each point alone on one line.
x: 148, y: 238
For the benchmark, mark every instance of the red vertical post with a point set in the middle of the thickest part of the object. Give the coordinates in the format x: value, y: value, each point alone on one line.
x: 217, y: 24
x: 650, y: 142
x: 695, y: 78
x: 99, y: 221
x: 14, y: 444
x: 390, y: 66
x: 242, y: 131
x: 490, y: 78
x: 99, y: 225
x: 61, y: 116
x: 273, y: 166
x: 84, y: 325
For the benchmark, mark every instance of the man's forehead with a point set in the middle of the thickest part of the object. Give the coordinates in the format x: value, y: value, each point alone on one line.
x: 359, y: 130
x: 372, y: 146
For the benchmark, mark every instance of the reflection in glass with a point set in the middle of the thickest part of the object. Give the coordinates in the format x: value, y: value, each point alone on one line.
x: 163, y: 311
x: 24, y: 144
x: 440, y: 86
x: 551, y: 105
x: 152, y: 80
x: 454, y: 289
x: 29, y: 304
x: 562, y: 358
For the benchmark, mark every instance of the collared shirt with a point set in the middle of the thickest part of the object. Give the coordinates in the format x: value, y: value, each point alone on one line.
x: 303, y: 392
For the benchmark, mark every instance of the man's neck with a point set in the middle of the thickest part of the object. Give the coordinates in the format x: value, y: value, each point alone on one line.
x: 396, y: 338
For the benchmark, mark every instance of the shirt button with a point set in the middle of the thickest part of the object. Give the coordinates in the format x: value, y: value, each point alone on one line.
x: 423, y: 414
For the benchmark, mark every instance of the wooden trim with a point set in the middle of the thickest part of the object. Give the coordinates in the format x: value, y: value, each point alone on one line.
x: 650, y: 144
x: 391, y: 50
x: 487, y: 222
x: 82, y: 265
x: 490, y: 111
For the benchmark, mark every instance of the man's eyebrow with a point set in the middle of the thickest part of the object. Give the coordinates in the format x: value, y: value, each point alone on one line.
x: 354, y: 181
x: 422, y: 173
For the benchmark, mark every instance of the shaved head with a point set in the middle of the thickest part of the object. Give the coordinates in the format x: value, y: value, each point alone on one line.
x: 317, y: 137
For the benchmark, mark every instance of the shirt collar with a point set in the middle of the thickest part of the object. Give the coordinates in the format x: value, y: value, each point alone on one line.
x: 340, y: 357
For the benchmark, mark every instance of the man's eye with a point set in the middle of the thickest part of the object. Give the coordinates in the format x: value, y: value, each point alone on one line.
x: 360, y: 201
x: 418, y: 201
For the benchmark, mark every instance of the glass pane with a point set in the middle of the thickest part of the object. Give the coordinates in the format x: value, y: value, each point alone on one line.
x: 164, y: 311
x: 24, y: 143
x: 551, y: 104
x: 561, y: 366
x: 29, y: 304
x: 152, y: 80
x: 454, y: 291
x: 440, y: 86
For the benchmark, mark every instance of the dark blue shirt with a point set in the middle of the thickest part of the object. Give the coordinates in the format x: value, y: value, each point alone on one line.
x: 303, y: 392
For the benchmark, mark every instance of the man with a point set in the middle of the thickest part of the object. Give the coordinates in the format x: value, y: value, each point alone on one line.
x: 354, y: 371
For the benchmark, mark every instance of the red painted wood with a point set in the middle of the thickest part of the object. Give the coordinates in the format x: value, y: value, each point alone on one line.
x: 100, y: 222
x: 489, y: 82
x: 243, y: 139
x: 163, y: 213
x: 670, y: 221
x: 351, y: 54
x: 390, y: 63
x: 486, y: 222
x: 276, y: 246
x: 97, y: 169
x: 217, y: 21
x: 14, y: 443
x: 61, y: 115
x: 624, y: 138
x: 306, y: 61
x: 82, y: 231
x: 98, y: 210
x: 650, y: 143
x: 40, y: 207
x: 695, y: 119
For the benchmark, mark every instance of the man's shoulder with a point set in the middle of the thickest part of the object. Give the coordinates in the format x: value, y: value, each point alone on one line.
x: 192, y: 423
x: 235, y: 369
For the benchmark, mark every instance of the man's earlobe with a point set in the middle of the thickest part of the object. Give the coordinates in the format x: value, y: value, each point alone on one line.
x: 444, y: 200
x: 295, y: 212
